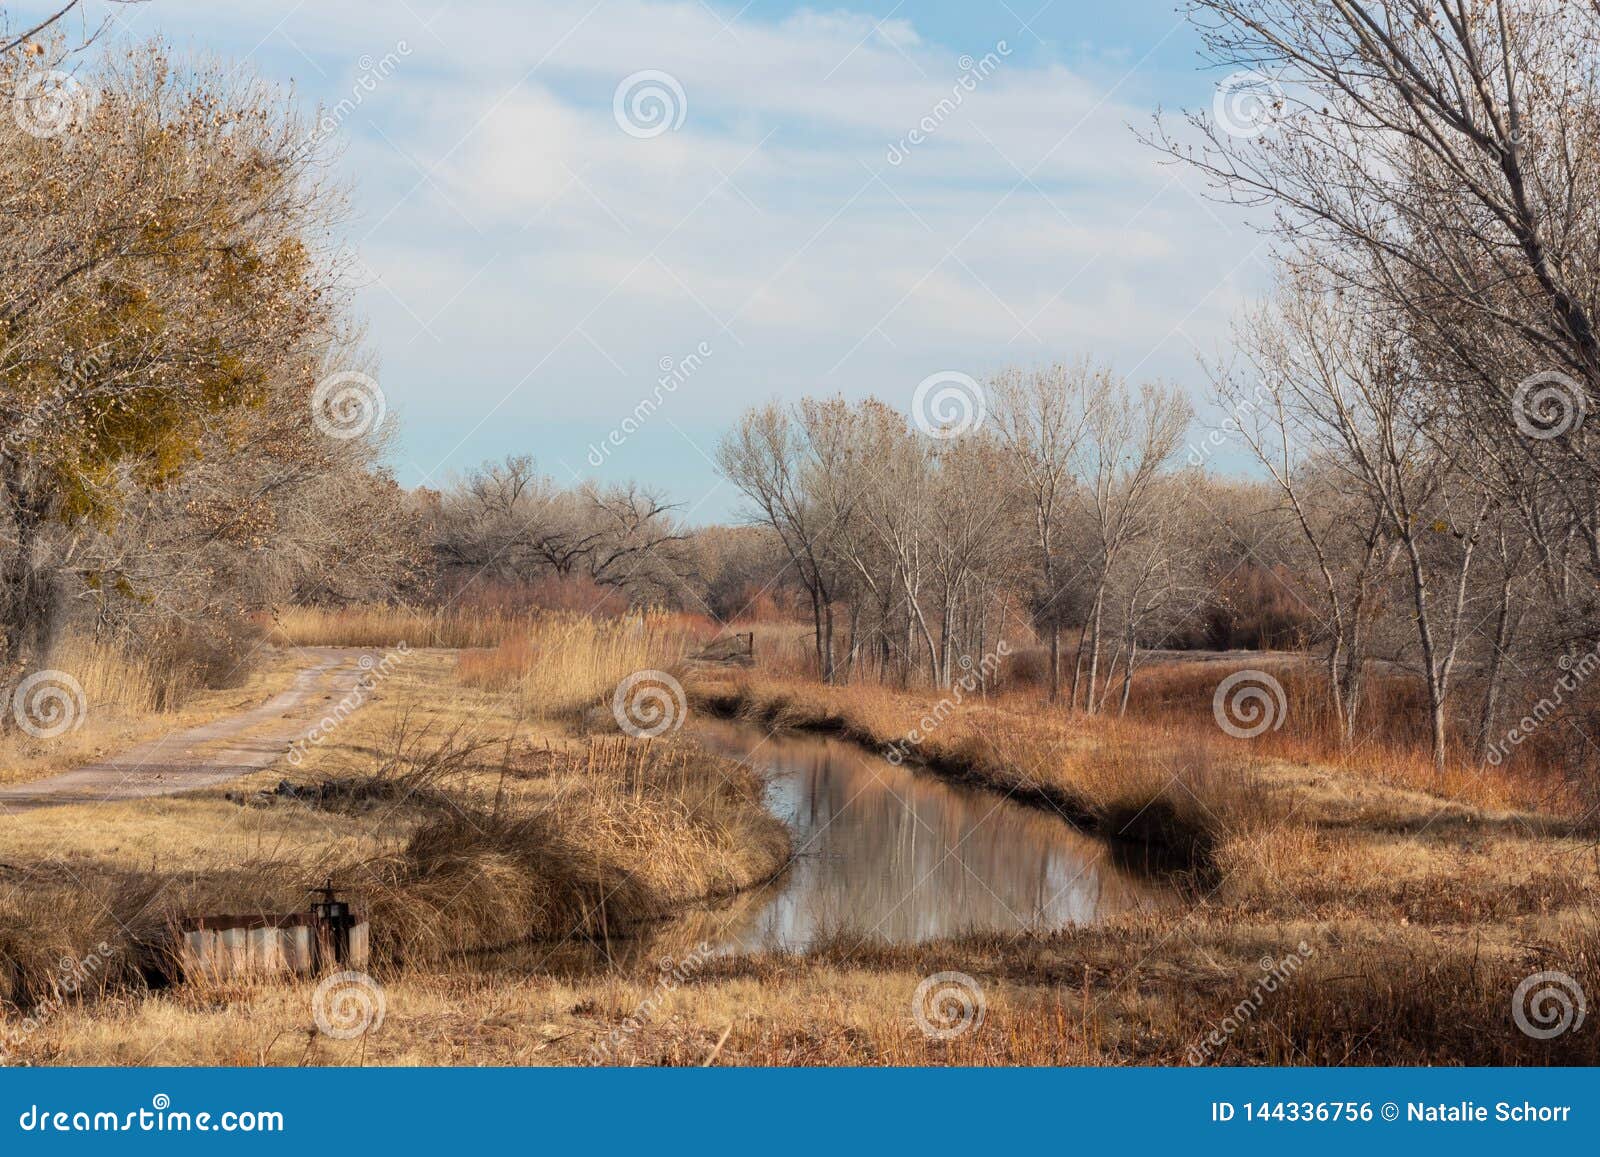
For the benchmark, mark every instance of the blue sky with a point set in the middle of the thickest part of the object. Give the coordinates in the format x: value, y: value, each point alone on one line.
x: 528, y: 265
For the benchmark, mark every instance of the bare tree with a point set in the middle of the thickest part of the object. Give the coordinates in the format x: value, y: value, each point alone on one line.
x: 1132, y: 440
x: 1354, y: 387
x: 1273, y: 408
x: 1043, y: 417
x: 767, y: 457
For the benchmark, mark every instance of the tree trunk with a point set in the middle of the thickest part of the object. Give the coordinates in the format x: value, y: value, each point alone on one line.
x: 1354, y: 668
x: 1491, y: 689
x: 1089, y: 703
x: 1336, y: 685
x: 1077, y: 665
x: 829, y: 673
x: 1419, y: 594
x: 816, y: 618
x: 27, y: 606
x: 855, y: 641
x: 1055, y: 664
x: 1127, y: 674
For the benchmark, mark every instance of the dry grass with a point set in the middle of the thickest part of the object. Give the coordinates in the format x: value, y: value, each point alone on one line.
x: 1391, y: 744
x: 388, y: 625
x: 781, y: 648
x: 465, y: 807
x: 632, y: 834
x: 558, y: 665
x: 1150, y: 991
x: 114, y: 680
x: 461, y: 828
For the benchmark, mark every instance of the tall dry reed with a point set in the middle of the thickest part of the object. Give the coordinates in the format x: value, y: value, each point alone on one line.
x: 562, y: 663
x: 114, y: 678
x: 387, y: 625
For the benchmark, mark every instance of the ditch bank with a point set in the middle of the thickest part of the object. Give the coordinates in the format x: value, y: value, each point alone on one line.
x: 1151, y: 819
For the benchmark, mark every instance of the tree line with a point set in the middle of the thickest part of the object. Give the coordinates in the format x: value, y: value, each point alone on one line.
x: 1418, y: 389
x: 1417, y: 393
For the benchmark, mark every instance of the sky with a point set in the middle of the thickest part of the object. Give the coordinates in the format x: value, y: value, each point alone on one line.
x: 802, y: 200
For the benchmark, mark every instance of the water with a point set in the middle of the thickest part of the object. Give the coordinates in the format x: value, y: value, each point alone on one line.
x: 898, y: 855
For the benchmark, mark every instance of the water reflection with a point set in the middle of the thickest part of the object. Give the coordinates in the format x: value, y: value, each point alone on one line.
x: 904, y: 857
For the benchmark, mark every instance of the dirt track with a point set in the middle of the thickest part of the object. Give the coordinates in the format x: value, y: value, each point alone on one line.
x: 211, y: 753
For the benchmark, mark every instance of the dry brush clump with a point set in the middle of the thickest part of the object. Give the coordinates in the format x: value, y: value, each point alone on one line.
x: 129, y: 919
x: 603, y: 836
x: 1417, y: 1003
x: 48, y: 920
x: 1147, y: 990
x: 160, y: 674
x: 1390, y: 745
x: 633, y: 832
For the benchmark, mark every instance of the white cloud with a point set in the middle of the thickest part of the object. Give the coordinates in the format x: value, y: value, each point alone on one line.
x: 529, y: 246
x: 841, y: 24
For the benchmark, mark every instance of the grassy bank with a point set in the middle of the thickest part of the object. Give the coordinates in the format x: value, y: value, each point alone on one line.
x: 1175, y: 990
x: 1345, y: 914
x: 1420, y: 906
x: 462, y: 825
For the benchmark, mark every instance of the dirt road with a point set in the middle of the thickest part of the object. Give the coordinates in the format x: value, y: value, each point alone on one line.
x: 212, y: 753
